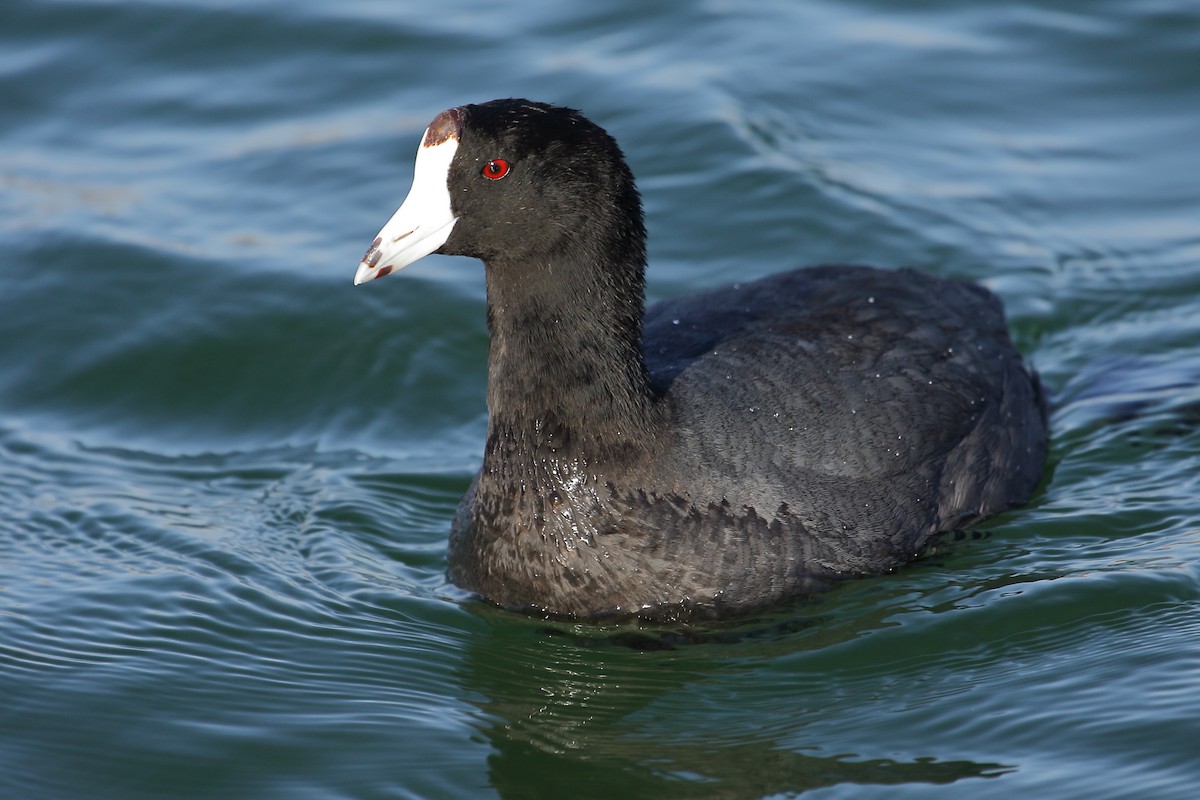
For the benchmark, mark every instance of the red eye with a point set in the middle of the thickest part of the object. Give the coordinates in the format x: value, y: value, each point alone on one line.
x: 495, y: 169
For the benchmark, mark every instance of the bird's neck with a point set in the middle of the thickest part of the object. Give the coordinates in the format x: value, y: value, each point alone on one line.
x: 567, y: 384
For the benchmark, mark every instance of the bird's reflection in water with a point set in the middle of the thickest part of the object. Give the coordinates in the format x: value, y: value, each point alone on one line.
x: 574, y: 711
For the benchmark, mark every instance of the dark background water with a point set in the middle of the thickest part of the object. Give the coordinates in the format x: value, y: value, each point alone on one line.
x: 226, y: 474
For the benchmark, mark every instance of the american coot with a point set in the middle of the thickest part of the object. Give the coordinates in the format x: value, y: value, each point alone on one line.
x: 717, y: 452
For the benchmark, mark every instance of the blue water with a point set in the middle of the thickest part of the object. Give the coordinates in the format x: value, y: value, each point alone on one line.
x: 226, y: 474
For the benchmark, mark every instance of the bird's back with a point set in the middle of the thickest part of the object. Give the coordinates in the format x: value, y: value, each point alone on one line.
x: 885, y: 404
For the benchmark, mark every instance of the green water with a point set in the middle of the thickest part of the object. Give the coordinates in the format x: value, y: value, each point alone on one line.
x: 226, y: 474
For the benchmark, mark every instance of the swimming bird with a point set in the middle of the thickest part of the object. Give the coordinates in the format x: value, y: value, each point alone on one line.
x: 718, y: 452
